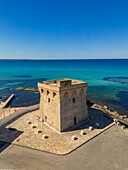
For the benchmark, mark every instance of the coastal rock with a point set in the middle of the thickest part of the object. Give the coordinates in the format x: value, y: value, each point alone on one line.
x: 27, y: 89
x: 105, y: 107
x: 97, y: 124
x: 90, y: 103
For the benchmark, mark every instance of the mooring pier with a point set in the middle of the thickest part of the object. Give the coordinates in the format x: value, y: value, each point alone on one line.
x: 4, y: 104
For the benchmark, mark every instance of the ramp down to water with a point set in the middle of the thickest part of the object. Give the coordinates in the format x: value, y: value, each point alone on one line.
x: 4, y: 104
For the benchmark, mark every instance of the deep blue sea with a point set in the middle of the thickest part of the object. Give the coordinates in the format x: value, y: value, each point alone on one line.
x: 107, y: 79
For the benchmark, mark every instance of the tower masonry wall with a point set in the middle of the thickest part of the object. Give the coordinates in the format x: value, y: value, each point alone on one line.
x: 73, y: 107
x: 63, y: 103
x: 50, y: 107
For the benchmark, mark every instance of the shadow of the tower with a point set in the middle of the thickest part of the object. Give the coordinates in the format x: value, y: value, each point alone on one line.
x: 7, y: 136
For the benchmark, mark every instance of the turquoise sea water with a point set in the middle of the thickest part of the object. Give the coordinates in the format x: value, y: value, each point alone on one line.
x: 26, y: 73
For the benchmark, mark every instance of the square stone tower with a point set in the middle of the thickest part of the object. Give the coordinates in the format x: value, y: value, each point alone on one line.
x: 63, y: 103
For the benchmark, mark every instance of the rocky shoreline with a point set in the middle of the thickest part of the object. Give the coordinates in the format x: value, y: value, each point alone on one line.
x: 27, y: 89
x: 113, y: 114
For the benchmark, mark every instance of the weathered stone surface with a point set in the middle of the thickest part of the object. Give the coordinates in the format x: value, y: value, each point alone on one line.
x: 63, y: 103
x: 91, y: 128
x: 27, y: 89
x: 29, y: 122
x: 83, y: 132
x: 39, y: 131
x: 97, y: 124
x: 33, y: 126
x: 118, y: 124
x: 112, y: 114
x: 59, y: 143
x: 123, y: 127
x: 45, y: 136
x: 74, y: 137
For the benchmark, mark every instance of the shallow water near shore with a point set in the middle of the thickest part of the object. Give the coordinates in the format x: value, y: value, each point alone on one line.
x: 107, y: 79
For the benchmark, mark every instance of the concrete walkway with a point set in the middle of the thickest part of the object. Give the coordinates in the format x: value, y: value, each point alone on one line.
x: 109, y: 151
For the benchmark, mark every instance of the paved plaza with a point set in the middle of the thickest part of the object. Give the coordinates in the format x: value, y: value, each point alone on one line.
x: 108, y: 151
x: 28, y: 131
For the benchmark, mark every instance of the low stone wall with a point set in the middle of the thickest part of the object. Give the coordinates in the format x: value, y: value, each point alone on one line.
x: 18, y: 114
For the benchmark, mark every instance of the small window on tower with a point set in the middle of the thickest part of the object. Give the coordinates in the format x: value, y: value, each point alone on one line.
x: 73, y: 100
x: 74, y: 120
x: 48, y: 100
x: 48, y: 92
x: 54, y: 94
x: 42, y: 90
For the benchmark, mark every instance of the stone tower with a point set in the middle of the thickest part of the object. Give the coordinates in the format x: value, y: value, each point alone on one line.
x: 63, y: 103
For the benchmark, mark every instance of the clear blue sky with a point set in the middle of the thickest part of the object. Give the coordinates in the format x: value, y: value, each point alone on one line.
x: 42, y: 29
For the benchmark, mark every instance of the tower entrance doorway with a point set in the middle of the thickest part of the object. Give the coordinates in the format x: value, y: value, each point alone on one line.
x: 74, y: 120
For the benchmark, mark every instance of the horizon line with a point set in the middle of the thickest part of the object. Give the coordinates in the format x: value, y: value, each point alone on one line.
x: 64, y: 59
